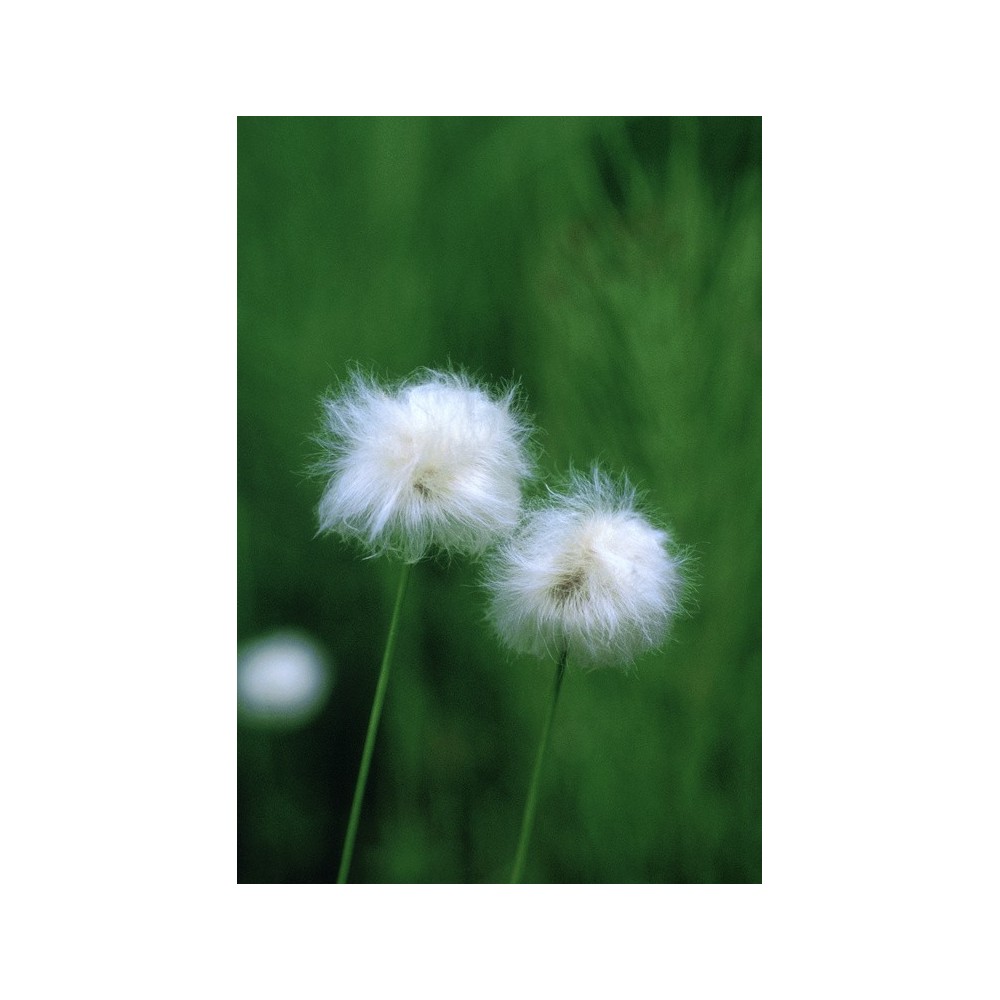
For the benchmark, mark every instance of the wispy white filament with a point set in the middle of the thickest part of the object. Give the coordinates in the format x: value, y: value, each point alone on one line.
x: 436, y: 461
x: 589, y: 573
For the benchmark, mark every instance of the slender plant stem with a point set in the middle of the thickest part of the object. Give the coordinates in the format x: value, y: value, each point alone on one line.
x: 529, y: 808
x: 366, y: 755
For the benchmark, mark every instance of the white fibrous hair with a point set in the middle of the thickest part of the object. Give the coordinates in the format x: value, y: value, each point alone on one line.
x: 436, y: 461
x: 586, y: 573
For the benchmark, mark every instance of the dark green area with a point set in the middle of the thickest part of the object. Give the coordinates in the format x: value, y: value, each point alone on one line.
x: 613, y: 267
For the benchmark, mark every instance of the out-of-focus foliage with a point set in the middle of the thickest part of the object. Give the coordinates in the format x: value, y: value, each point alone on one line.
x: 613, y: 266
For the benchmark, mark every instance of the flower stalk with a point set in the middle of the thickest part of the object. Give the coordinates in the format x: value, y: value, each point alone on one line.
x: 373, y: 721
x: 532, y: 802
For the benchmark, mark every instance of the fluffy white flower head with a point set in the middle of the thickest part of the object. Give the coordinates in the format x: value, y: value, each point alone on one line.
x: 587, y: 573
x: 434, y: 461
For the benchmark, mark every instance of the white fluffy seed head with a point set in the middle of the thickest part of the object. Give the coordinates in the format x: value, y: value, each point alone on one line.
x: 436, y: 461
x: 588, y: 573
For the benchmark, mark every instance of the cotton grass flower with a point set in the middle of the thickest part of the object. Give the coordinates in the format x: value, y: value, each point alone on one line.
x: 587, y: 574
x: 587, y: 577
x: 434, y: 462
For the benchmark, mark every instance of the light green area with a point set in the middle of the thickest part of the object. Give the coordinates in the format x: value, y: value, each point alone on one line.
x: 613, y: 266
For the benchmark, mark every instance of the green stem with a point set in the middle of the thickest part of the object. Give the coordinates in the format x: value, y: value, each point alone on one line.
x: 529, y: 808
x: 366, y: 755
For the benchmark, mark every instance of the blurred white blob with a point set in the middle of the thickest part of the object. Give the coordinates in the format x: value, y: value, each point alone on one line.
x: 283, y: 678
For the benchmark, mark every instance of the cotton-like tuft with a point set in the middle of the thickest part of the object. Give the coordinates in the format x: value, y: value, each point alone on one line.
x: 587, y: 573
x: 437, y: 461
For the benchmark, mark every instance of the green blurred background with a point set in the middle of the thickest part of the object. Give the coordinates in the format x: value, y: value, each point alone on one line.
x: 613, y: 266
